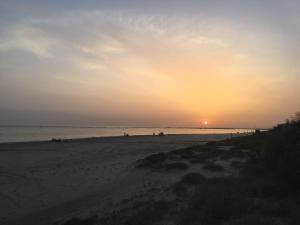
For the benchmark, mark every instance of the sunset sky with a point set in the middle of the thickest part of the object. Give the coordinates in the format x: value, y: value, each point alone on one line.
x: 149, y: 63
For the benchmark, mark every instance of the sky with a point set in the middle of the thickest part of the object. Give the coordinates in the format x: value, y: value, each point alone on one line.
x: 149, y: 63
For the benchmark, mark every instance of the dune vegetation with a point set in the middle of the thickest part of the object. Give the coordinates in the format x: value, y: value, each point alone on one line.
x: 246, y: 180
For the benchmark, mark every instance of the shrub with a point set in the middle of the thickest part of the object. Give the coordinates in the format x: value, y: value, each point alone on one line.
x: 295, y: 216
x: 148, y: 212
x: 215, y: 201
x: 252, y: 220
x: 174, y: 166
x: 193, y: 178
x: 236, y: 164
x: 280, y: 152
x: 151, y: 161
x: 213, y: 167
x: 76, y: 221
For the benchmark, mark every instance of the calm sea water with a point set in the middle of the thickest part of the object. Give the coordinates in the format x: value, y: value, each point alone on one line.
x: 40, y: 133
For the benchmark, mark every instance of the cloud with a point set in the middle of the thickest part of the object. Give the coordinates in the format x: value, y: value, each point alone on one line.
x: 29, y: 39
x: 111, y: 60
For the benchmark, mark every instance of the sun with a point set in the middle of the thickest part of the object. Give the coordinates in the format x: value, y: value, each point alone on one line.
x: 205, y: 122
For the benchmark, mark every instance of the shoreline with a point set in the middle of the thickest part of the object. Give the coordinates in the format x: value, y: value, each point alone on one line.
x: 25, y: 134
x: 122, y: 136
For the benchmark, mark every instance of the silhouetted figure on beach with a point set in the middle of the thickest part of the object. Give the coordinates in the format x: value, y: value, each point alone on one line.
x: 161, y: 134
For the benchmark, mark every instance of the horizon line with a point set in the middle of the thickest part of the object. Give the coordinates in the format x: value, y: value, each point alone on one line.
x: 120, y: 126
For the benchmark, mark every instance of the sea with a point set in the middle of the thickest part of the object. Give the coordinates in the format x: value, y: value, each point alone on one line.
x: 44, y: 133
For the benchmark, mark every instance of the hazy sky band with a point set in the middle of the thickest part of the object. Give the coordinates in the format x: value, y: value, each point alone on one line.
x: 233, y: 63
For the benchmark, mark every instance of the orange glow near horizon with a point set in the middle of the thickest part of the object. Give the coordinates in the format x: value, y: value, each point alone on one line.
x: 140, y: 69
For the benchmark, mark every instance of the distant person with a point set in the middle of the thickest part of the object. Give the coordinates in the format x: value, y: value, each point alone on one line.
x: 56, y: 140
x: 161, y: 134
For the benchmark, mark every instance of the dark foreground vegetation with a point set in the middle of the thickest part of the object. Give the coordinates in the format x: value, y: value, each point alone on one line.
x: 264, y: 191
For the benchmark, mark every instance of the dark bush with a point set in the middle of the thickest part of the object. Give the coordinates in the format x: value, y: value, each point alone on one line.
x: 295, y: 216
x: 174, y: 166
x: 252, y: 220
x: 216, y: 201
x: 213, y: 167
x: 76, y: 221
x: 193, y: 178
x: 236, y: 164
x: 151, y: 161
x: 148, y: 212
x: 280, y: 152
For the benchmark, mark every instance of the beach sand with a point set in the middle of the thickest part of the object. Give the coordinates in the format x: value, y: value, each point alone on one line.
x: 50, y: 182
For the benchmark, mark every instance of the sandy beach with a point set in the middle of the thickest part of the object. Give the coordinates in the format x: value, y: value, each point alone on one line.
x: 50, y: 182
x: 149, y: 112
